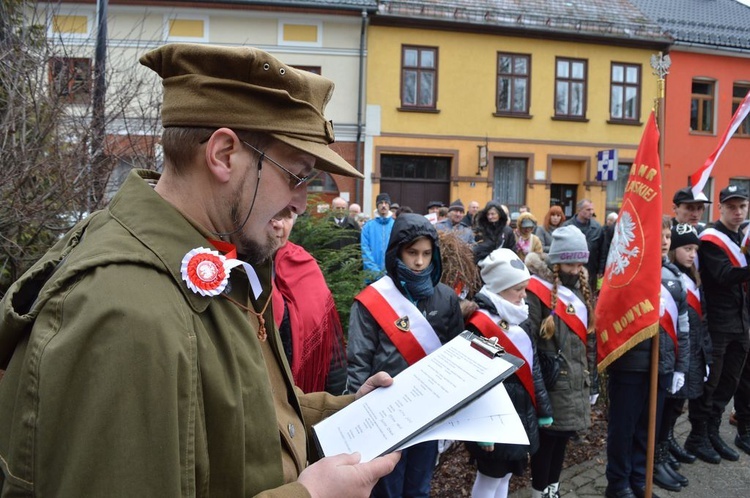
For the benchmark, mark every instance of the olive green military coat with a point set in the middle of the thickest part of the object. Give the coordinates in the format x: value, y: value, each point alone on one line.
x: 121, y: 381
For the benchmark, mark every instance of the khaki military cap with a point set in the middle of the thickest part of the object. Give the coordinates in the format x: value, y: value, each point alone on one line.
x: 245, y: 88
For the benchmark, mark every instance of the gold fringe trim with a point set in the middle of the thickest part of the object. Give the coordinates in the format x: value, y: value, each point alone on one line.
x: 638, y: 337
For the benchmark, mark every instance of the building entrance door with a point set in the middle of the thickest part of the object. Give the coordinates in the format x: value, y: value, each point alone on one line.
x: 564, y: 195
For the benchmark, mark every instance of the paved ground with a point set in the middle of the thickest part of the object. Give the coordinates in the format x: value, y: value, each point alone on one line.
x: 726, y: 480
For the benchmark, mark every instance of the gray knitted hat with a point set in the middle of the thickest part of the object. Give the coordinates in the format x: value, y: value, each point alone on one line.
x: 568, y: 246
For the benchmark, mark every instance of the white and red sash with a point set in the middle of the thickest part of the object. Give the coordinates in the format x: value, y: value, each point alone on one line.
x: 693, y: 295
x: 669, y: 319
x: 726, y: 244
x: 489, y: 328
x: 570, y: 308
x: 402, y: 322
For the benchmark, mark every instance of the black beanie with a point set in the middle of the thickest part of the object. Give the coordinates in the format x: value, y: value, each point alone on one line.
x: 383, y: 197
x: 683, y: 234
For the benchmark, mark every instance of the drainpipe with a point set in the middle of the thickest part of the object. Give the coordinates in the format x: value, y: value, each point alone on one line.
x: 360, y: 98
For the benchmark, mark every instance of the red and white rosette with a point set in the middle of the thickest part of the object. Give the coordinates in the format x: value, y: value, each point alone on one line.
x: 205, y: 272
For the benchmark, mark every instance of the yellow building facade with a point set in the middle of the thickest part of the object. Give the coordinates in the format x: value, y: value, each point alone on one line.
x: 552, y: 159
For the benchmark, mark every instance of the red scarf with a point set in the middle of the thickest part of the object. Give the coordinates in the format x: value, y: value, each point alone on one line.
x: 313, y: 318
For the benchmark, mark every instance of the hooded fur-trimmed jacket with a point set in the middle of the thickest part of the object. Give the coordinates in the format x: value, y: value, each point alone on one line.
x: 490, y: 236
x: 571, y: 407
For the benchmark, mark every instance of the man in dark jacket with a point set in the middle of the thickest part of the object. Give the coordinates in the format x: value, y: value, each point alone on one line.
x: 725, y: 275
x: 689, y: 208
x: 592, y: 229
x: 348, y: 228
x: 456, y: 222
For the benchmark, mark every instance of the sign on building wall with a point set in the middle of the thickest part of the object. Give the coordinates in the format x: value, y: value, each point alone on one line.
x: 606, y: 165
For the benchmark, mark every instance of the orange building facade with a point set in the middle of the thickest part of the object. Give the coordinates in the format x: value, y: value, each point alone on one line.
x: 702, y: 92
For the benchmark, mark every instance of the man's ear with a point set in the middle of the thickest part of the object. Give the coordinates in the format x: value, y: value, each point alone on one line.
x: 222, y: 151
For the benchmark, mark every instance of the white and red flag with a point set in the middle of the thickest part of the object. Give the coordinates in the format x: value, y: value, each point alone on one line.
x: 627, y: 311
x: 700, y: 177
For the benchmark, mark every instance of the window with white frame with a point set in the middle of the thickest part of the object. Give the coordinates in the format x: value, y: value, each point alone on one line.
x: 625, y: 92
x: 510, y: 181
x: 71, y: 24
x: 616, y: 188
x: 570, y: 88
x: 419, y: 77
x: 513, y: 76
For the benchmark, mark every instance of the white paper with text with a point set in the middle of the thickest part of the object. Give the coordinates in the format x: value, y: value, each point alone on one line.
x: 423, y: 394
x: 491, y: 418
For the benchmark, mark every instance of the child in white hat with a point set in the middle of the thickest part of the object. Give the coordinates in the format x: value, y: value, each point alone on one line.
x: 501, y: 311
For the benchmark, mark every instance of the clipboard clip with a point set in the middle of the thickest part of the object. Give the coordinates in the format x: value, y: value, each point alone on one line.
x: 487, y: 346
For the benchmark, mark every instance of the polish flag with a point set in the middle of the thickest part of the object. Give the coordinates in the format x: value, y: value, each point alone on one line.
x: 700, y: 177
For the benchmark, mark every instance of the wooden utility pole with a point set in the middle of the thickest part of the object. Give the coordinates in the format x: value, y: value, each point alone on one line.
x: 98, y: 122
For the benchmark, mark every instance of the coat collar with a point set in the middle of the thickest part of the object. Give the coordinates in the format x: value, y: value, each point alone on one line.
x: 164, y: 231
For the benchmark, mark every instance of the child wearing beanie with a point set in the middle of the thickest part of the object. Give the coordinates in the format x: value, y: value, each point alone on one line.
x: 561, y: 320
x: 428, y: 316
x: 674, y: 320
x: 501, y: 310
x: 683, y: 252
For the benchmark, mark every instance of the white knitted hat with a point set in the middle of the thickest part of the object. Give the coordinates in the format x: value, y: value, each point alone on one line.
x: 502, y: 269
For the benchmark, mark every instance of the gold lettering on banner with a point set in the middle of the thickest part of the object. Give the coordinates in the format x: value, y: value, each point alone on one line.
x: 629, y: 317
x: 639, y: 188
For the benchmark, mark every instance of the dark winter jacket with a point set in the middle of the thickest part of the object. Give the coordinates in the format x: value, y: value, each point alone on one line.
x: 545, y: 236
x: 700, y: 348
x: 369, y: 349
x: 638, y: 359
x: 490, y: 236
x: 725, y: 287
x: 571, y: 408
x: 521, y: 400
x: 345, y: 234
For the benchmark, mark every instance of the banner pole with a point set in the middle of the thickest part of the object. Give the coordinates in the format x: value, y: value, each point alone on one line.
x: 660, y: 65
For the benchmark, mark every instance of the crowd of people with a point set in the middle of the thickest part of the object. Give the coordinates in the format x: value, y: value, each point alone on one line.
x: 134, y: 365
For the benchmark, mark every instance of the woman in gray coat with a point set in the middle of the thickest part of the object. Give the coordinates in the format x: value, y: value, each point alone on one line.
x: 561, y: 319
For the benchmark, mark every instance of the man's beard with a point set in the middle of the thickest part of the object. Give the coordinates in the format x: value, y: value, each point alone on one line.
x: 252, y: 251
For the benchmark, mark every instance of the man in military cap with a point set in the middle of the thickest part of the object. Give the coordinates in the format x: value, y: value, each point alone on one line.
x: 140, y: 353
x: 689, y: 208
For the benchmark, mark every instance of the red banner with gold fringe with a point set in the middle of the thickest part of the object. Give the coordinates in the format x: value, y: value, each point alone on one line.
x: 627, y: 311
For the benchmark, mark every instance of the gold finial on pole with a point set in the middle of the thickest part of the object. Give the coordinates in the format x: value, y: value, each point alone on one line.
x: 660, y: 65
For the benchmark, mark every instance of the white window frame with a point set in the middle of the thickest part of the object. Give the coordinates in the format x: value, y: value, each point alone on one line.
x: 63, y: 11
